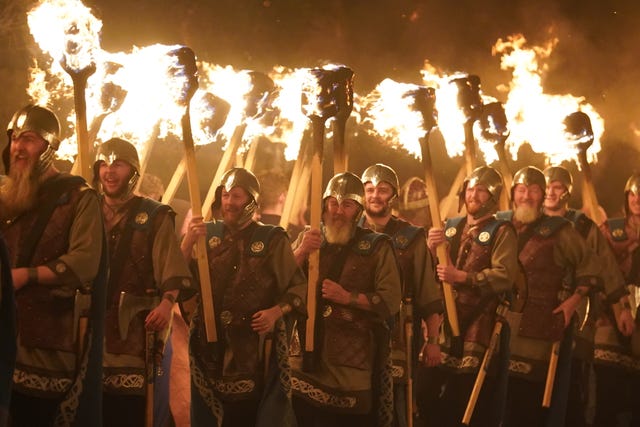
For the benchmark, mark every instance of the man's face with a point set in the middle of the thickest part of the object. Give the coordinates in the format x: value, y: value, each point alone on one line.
x: 527, y: 200
x: 25, y: 151
x: 475, y: 198
x: 339, y: 219
x: 115, y: 178
x: 633, y: 201
x: 377, y: 198
x: 233, y: 204
x: 555, y: 191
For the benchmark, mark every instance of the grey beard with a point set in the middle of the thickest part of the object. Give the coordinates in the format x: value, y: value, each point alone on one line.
x: 525, y: 214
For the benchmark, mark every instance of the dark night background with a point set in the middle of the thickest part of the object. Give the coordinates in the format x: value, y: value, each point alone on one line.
x: 596, y: 57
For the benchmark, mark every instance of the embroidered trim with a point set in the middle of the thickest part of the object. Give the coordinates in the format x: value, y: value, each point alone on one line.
x: 467, y: 362
x: 126, y: 381
x: 321, y: 396
x: 40, y: 382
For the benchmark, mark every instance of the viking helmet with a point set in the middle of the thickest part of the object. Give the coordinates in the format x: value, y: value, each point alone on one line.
x: 41, y: 120
x: 378, y: 173
x: 492, y: 180
x: 243, y: 178
x: 559, y: 173
x: 413, y: 194
x: 632, y: 186
x: 118, y: 149
x: 529, y: 175
x: 345, y: 186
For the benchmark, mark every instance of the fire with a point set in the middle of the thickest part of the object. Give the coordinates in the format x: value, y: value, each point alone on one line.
x: 535, y: 117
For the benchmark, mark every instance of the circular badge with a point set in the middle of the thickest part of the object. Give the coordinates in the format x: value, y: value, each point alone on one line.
x: 226, y: 317
x: 484, y: 237
x: 142, y: 218
x: 364, y: 245
x: 61, y: 267
x: 257, y: 247
x: 297, y: 302
x: 327, y: 311
x: 375, y: 299
x: 544, y: 231
x: 214, y: 241
x: 450, y: 232
x: 186, y: 282
x: 617, y: 233
x: 402, y: 240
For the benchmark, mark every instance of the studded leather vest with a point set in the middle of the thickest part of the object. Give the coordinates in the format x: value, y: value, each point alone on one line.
x: 243, y: 283
x: 477, y: 313
x: 45, y: 316
x: 348, y: 332
x: 136, y: 277
x: 544, y: 282
x: 403, y: 235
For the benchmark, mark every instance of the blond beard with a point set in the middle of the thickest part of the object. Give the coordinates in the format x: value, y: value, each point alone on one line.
x: 526, y: 214
x: 18, y: 192
x: 338, y: 234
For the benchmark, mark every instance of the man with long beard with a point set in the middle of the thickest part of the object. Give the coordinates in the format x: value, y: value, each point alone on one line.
x: 559, y: 270
x: 419, y: 297
x: 147, y: 265
x: 54, y: 231
x: 348, y: 380
x: 559, y: 187
x: 256, y: 286
x: 483, y: 270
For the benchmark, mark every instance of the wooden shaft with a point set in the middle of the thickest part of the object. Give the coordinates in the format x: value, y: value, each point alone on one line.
x: 443, y: 258
x: 294, y: 185
x: 176, y: 179
x: 145, y: 157
x: 551, y: 375
x: 482, y: 374
x: 228, y: 157
x: 83, y: 160
x: 445, y: 207
x: 588, y: 190
x: 150, y: 376
x: 316, y: 213
x: 206, y: 292
x: 250, y: 160
x: 469, y: 147
x: 83, y: 324
x: 507, y: 178
x: 408, y: 333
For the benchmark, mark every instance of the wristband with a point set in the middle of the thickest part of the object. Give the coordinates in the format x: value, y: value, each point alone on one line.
x: 432, y: 340
x: 285, y: 308
x: 32, y: 276
x: 169, y: 297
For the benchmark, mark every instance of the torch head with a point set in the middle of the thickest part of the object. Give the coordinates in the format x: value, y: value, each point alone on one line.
x: 561, y: 174
x: 493, y: 121
x: 491, y: 179
x: 578, y: 126
x: 186, y: 66
x: 40, y: 120
x: 261, y: 87
x: 118, y: 149
x: 345, y: 186
x: 632, y: 186
x: 329, y: 93
x: 425, y: 103
x: 469, y: 98
x: 245, y: 179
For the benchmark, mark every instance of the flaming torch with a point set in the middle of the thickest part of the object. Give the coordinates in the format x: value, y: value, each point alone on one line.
x: 343, y: 95
x: 319, y: 103
x: 470, y: 103
x: 187, y: 64
x: 424, y: 102
x: 259, y: 89
x: 494, y: 128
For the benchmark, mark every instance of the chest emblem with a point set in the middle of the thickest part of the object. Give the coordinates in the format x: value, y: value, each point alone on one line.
x: 484, y: 237
x: 450, y: 232
x: 142, y: 218
x: 257, y: 247
x: 214, y: 241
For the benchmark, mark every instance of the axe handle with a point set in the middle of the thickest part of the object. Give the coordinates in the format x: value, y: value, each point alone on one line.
x: 83, y: 324
x: 551, y: 375
x: 150, y: 374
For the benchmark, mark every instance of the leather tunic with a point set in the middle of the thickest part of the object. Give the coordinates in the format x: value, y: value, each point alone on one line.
x: 45, y: 314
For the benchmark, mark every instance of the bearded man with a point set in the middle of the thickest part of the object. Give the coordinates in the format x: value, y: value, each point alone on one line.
x: 53, y: 227
x: 419, y: 297
x: 146, y: 264
x: 349, y: 382
x: 483, y: 270
x: 559, y: 271
x: 256, y: 285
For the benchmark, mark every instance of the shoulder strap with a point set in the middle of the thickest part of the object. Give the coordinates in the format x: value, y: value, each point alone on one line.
x: 549, y: 225
x: 452, y: 228
x: 145, y: 211
x: 580, y: 221
x: 485, y: 237
x: 260, y: 239
x: 405, y: 236
x: 505, y: 215
x: 56, y: 195
x: 365, y: 244
x: 617, y: 229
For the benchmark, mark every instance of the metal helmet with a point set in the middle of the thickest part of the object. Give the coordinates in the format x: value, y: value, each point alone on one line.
x: 345, y: 186
x: 632, y: 186
x: 118, y: 149
x: 41, y: 120
x: 378, y: 173
x: 529, y: 175
x: 559, y: 173
x: 413, y: 194
x: 245, y: 179
x: 492, y: 180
